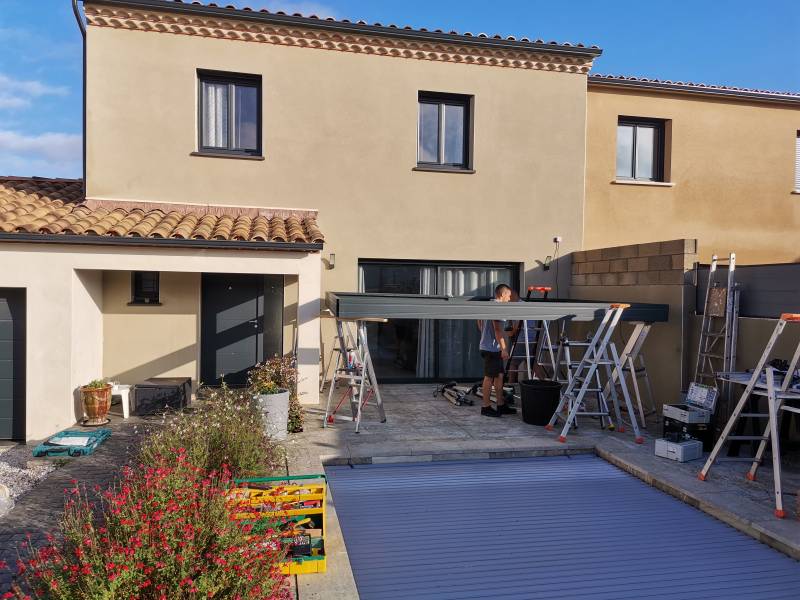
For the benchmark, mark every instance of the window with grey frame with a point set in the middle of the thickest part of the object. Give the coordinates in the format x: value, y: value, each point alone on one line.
x: 640, y: 149
x: 229, y: 113
x: 443, y: 138
x: 145, y: 287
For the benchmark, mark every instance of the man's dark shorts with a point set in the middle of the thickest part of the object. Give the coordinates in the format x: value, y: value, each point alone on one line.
x: 492, y: 364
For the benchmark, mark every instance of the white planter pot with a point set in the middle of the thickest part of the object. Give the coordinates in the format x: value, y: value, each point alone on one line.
x: 275, y: 413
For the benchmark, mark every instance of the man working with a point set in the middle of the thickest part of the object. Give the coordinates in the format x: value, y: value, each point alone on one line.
x: 494, y: 352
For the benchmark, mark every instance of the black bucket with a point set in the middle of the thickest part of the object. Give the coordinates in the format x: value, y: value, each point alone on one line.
x: 539, y: 400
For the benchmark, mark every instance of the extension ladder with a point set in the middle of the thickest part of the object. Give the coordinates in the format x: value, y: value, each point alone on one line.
x: 353, y: 367
x: 600, y: 352
x: 776, y: 398
x: 720, y: 323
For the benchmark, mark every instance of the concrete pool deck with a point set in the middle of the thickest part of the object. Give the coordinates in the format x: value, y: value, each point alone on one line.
x: 421, y: 428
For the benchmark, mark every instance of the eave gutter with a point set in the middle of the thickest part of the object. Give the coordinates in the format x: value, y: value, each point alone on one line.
x: 98, y: 240
x: 350, y: 28
x: 654, y: 86
x: 82, y: 27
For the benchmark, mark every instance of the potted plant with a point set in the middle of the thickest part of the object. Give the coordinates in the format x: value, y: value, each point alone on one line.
x: 273, y: 401
x: 281, y: 370
x: 96, y: 399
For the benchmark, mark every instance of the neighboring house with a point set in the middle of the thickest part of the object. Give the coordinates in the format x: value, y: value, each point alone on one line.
x: 221, y: 143
x: 670, y: 160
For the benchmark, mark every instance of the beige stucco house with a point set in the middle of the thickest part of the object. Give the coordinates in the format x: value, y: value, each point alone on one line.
x: 221, y: 145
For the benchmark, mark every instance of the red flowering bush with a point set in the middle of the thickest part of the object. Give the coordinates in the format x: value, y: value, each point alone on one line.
x: 164, y: 531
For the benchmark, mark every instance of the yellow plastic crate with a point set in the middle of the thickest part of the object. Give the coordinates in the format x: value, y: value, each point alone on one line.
x: 283, y: 499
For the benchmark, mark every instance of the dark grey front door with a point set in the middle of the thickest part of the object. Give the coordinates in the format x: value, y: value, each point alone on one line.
x: 241, y: 325
x: 12, y: 364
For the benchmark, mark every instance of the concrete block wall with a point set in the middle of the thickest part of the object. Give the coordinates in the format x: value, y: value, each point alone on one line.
x: 654, y: 263
x: 656, y: 272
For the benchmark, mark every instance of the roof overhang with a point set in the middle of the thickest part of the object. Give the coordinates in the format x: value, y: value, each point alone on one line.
x: 102, y: 240
x: 350, y: 305
x: 632, y: 83
x: 353, y: 28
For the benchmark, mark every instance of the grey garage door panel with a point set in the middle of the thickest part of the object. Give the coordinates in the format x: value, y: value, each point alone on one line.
x: 12, y: 363
x: 561, y: 527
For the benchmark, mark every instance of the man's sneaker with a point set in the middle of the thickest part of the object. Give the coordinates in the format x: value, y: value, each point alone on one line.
x: 505, y: 409
x: 488, y: 411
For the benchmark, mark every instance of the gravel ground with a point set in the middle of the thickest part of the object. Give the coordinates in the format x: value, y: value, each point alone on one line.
x: 19, y: 471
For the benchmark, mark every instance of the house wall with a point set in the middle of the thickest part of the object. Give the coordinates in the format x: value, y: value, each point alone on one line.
x: 86, y: 354
x: 657, y: 273
x: 340, y: 135
x: 65, y: 322
x: 151, y: 341
x: 732, y: 175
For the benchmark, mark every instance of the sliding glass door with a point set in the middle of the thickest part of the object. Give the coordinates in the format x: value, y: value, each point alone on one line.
x: 405, y: 350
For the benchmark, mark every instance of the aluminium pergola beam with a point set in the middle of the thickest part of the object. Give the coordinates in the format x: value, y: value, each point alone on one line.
x: 352, y: 305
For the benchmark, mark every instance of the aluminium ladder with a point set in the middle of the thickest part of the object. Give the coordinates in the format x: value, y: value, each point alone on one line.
x: 565, y: 359
x: 720, y: 324
x: 353, y: 367
x: 599, y: 352
x: 542, y: 341
x: 776, y: 398
x: 632, y: 352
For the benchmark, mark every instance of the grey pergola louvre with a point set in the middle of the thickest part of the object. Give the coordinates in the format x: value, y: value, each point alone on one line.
x: 352, y: 305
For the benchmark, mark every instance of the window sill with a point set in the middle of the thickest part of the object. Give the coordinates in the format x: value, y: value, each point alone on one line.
x: 443, y: 170
x: 225, y: 155
x: 144, y: 303
x: 797, y: 192
x: 635, y: 182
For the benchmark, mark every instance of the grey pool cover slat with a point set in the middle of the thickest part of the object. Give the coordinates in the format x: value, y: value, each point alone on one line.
x: 560, y: 527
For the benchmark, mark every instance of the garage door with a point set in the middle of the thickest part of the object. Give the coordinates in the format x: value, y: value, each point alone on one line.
x: 561, y: 527
x: 12, y: 364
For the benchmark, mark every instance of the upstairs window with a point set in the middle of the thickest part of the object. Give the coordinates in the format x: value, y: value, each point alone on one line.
x: 229, y: 113
x: 640, y: 149
x: 444, y: 125
x: 797, y: 163
x: 144, y: 287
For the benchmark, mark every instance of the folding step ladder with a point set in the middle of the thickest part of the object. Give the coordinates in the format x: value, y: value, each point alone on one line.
x: 776, y: 398
x: 326, y: 372
x: 565, y: 372
x: 541, y: 342
x: 353, y: 367
x: 720, y: 324
x: 631, y: 353
x: 599, y: 352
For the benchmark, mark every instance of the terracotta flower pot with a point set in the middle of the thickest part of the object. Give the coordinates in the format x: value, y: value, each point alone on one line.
x: 96, y: 403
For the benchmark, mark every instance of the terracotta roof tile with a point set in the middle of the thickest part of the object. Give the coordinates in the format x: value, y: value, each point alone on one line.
x: 689, y: 86
x: 373, y: 26
x: 57, y: 206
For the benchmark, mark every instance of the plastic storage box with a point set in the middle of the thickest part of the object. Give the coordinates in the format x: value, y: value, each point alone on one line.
x: 682, y: 451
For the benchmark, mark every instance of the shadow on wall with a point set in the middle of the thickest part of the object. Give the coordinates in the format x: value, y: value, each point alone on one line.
x: 156, y: 367
x: 557, y: 276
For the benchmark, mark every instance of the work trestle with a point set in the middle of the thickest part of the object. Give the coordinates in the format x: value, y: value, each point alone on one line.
x: 354, y: 368
x: 600, y: 352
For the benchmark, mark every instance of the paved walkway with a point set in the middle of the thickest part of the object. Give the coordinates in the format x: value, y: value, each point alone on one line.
x: 37, y: 512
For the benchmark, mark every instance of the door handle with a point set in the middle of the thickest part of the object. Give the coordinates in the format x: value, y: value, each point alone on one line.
x: 254, y: 322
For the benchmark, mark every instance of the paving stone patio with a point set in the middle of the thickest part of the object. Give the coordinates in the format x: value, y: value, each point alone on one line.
x: 37, y: 512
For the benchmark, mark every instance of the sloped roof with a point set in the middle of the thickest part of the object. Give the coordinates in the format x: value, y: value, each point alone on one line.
x: 57, y: 207
x: 666, y: 85
x: 468, y: 38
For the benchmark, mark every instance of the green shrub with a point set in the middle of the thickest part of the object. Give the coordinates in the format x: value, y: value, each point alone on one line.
x: 281, y: 371
x: 225, y: 428
x: 96, y: 384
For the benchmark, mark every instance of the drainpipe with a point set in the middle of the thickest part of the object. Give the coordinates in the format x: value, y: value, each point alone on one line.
x: 82, y: 28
